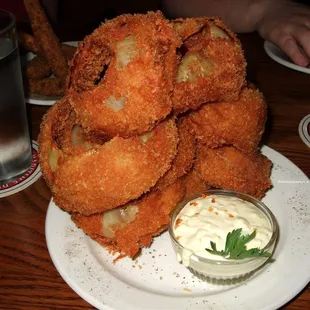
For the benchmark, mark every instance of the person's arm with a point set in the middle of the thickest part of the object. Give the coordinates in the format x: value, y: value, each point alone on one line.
x: 239, y: 15
x: 283, y: 22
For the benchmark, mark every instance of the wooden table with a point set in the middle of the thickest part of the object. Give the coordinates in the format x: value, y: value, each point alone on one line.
x: 29, y: 279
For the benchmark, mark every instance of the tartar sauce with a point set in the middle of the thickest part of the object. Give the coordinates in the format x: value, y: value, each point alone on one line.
x: 211, y: 218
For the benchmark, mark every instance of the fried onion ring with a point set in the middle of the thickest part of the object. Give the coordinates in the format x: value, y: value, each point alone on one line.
x: 122, y: 76
x: 239, y: 123
x: 212, y: 65
x: 184, y: 158
x: 133, y: 225
x: 107, y: 176
x: 194, y: 183
x: 52, y: 127
x: 228, y: 168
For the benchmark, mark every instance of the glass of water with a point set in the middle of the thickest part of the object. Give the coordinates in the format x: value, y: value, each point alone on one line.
x: 15, y: 144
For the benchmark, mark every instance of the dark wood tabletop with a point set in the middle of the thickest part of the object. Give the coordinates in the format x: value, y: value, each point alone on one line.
x: 29, y: 279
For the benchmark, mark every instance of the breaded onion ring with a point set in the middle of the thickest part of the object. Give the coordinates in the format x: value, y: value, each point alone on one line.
x: 69, y: 137
x: 212, y: 65
x: 127, y: 229
x: 183, y: 160
x: 60, y: 136
x: 194, y: 183
x: 239, y: 123
x: 122, y: 76
x: 53, y: 127
x: 104, y: 177
x: 228, y: 168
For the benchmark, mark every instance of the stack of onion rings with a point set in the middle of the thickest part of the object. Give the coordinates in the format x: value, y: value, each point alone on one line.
x: 116, y: 152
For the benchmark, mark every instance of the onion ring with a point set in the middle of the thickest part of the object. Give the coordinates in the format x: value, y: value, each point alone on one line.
x: 228, y: 168
x: 133, y: 225
x: 184, y: 158
x: 239, y: 123
x: 194, y: 183
x: 115, y: 172
x: 212, y: 65
x: 122, y: 76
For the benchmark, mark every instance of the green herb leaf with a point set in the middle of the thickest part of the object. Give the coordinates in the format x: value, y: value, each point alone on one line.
x: 235, y: 246
x: 214, y: 250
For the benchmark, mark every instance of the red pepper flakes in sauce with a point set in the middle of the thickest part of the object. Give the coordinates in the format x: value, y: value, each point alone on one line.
x: 230, y: 215
x: 210, y: 209
x: 177, y: 223
x: 194, y: 203
x: 213, y: 200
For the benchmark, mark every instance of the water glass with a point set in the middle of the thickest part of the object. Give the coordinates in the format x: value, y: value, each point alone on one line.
x: 15, y: 144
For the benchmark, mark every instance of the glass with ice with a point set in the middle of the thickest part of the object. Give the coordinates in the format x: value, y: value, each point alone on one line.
x: 15, y: 145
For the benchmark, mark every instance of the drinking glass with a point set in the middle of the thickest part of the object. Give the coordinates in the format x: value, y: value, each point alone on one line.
x: 15, y: 144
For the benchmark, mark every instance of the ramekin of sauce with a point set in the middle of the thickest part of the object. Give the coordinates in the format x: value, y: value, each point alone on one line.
x: 203, y: 223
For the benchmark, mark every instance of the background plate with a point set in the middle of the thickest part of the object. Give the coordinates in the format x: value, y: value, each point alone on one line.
x: 304, y: 130
x: 156, y: 281
x: 25, y: 180
x: 39, y: 99
x: 276, y: 54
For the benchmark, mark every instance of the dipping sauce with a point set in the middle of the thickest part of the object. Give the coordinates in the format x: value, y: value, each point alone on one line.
x: 211, y: 218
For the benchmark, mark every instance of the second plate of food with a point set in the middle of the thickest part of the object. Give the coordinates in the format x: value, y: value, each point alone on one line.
x: 37, y: 98
x: 279, y: 56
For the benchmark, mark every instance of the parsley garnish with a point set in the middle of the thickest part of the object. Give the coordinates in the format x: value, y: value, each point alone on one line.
x: 235, y: 246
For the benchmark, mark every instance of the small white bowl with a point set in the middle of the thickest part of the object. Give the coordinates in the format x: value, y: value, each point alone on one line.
x: 224, y: 271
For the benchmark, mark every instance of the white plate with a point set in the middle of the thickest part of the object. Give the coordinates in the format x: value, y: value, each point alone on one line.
x: 157, y: 281
x: 25, y: 180
x: 304, y: 130
x: 39, y: 99
x: 279, y: 56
